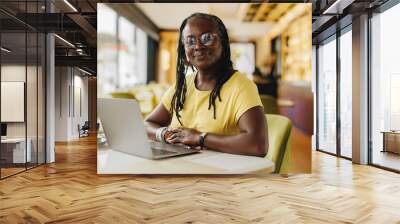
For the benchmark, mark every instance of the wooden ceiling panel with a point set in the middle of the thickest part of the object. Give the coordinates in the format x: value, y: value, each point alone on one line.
x: 269, y: 12
x: 279, y: 11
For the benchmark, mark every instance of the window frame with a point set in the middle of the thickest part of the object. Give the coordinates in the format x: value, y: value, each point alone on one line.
x: 333, y: 37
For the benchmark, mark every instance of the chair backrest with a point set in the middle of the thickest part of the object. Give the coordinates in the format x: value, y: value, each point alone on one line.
x: 270, y: 104
x: 86, y: 125
x: 279, y: 129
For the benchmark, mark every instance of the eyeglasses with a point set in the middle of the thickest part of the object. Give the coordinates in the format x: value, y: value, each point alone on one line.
x: 206, y: 39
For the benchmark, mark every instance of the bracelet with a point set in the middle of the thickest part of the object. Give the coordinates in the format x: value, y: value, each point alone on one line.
x: 160, y: 132
x: 163, y: 134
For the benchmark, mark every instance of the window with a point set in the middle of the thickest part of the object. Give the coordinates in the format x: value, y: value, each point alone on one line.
x: 22, y: 101
x: 346, y: 94
x: 242, y: 55
x: 335, y: 61
x: 385, y: 86
x: 126, y: 54
x: 107, y: 50
x: 327, y: 96
x: 122, y: 53
x: 141, y: 57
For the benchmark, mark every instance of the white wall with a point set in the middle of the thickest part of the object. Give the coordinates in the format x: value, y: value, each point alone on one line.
x: 70, y: 83
x: 79, y: 117
x: 61, y: 103
x: 12, y: 73
x: 33, y: 126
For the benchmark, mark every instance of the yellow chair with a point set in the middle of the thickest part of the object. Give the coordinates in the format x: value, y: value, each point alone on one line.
x: 158, y: 91
x: 279, y: 150
x: 145, y: 97
x: 270, y: 104
x: 123, y: 95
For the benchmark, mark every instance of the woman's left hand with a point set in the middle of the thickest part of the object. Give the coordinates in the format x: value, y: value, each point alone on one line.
x: 184, y: 136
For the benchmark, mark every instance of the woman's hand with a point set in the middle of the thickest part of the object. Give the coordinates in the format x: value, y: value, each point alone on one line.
x: 168, y: 133
x: 184, y: 136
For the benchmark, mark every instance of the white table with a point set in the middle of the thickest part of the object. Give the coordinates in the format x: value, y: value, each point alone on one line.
x: 110, y: 161
x: 18, y: 149
x: 285, y: 103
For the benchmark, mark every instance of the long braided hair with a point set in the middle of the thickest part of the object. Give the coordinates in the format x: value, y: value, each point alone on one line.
x: 224, y: 65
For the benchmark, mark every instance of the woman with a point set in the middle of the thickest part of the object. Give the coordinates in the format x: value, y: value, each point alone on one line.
x: 216, y: 107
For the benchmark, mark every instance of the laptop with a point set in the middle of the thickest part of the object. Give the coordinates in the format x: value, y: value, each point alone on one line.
x: 125, y: 131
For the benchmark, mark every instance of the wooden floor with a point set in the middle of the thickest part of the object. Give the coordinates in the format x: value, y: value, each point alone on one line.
x: 10, y: 171
x: 5, y: 172
x: 70, y: 191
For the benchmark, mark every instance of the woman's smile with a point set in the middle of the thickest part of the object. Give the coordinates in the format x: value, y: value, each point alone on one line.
x: 201, y: 55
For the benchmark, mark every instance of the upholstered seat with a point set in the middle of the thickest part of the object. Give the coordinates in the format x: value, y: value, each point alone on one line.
x: 279, y: 150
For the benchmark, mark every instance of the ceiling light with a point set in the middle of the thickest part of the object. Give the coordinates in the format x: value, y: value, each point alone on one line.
x: 70, y: 5
x: 79, y: 51
x: 65, y: 41
x: 84, y: 71
x: 5, y: 50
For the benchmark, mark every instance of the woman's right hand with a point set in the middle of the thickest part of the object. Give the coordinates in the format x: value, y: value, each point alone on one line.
x: 185, y: 136
x: 169, y: 133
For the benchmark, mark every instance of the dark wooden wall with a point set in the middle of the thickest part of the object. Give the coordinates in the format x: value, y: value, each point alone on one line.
x: 302, y: 112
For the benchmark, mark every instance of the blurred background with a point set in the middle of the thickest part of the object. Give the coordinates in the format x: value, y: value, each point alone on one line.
x: 57, y: 57
x: 271, y: 43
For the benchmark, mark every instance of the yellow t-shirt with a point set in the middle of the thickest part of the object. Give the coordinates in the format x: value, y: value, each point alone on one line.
x: 238, y: 94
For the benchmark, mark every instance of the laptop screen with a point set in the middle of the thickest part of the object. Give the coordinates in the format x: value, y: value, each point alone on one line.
x: 3, y: 129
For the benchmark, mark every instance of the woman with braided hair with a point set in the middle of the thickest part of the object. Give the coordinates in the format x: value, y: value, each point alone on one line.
x: 215, y: 107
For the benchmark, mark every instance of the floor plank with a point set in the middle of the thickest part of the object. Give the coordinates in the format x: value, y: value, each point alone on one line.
x: 70, y: 191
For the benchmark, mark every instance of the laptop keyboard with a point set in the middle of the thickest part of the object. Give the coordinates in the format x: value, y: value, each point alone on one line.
x: 159, y: 148
x: 164, y: 146
x: 158, y: 152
